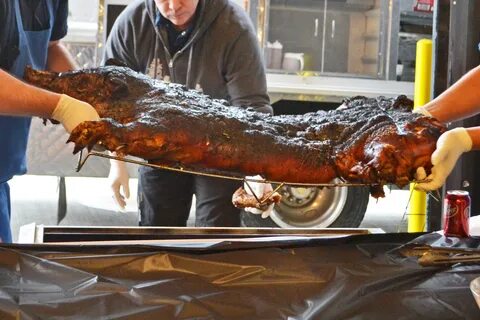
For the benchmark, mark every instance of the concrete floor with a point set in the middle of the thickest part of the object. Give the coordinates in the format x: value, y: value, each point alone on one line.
x: 34, y: 199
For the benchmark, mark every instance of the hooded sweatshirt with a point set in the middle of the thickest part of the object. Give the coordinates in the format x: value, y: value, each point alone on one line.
x: 222, y: 57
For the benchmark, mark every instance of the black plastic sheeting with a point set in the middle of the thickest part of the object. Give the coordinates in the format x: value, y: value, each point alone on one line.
x: 359, y: 277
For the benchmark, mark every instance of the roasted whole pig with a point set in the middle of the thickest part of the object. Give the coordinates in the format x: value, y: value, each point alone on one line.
x: 375, y: 141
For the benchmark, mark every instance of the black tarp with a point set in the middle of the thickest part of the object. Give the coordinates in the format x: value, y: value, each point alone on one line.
x: 358, y: 277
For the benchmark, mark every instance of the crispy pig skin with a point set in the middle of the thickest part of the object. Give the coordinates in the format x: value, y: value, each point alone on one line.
x: 375, y: 141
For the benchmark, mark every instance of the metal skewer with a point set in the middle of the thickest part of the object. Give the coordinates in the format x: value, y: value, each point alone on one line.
x: 418, y: 251
x: 433, y: 259
x: 268, y: 196
x: 279, y: 184
x: 82, y: 160
x: 436, y: 256
x: 440, y: 250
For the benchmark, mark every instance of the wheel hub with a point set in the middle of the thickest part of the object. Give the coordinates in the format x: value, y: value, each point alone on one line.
x: 297, y: 197
x: 309, y: 207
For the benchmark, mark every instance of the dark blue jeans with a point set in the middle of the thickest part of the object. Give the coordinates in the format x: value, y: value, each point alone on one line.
x: 165, y: 198
x: 5, y: 232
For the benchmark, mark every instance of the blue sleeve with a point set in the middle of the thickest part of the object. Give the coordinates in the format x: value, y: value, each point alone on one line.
x: 60, y: 27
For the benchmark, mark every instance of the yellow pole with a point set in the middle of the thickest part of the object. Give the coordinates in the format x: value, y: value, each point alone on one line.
x: 417, y: 210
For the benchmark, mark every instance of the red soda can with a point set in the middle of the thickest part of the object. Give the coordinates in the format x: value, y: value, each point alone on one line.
x: 457, y: 213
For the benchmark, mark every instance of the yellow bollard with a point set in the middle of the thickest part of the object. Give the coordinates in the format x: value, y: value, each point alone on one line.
x: 417, y: 209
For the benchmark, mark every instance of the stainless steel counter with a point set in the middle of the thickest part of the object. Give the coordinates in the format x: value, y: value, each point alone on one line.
x: 331, y: 88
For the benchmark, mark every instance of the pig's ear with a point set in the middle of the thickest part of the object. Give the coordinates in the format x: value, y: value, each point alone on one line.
x: 115, y: 62
x: 39, y: 78
x: 118, y: 87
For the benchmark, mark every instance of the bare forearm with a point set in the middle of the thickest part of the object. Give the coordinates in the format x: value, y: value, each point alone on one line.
x: 21, y: 99
x: 59, y: 59
x: 474, y: 133
x: 460, y: 101
x: 28, y: 100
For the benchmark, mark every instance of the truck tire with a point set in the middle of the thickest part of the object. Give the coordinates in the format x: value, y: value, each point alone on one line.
x: 340, y: 207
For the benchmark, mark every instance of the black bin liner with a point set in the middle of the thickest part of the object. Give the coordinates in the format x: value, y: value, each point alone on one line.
x: 358, y: 277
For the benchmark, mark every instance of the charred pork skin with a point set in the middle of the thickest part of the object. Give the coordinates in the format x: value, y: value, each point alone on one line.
x: 375, y: 141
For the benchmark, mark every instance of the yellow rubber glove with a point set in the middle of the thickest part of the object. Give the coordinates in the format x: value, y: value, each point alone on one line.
x: 450, y: 147
x: 422, y: 111
x: 70, y: 112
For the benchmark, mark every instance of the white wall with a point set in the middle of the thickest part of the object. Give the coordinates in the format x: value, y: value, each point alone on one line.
x: 240, y: 2
x: 87, y: 10
x: 83, y: 10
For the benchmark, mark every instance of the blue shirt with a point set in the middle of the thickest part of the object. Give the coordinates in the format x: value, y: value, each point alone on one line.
x: 35, y: 17
x: 41, y: 21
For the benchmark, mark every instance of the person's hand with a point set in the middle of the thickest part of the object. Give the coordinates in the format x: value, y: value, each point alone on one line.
x: 260, y: 189
x: 70, y: 112
x: 450, y: 147
x: 420, y: 174
x: 423, y: 111
x: 119, y: 178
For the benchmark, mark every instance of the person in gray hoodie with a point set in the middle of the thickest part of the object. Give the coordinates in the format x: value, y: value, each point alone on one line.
x: 207, y: 45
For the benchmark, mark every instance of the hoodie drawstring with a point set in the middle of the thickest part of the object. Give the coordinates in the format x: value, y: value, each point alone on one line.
x: 189, y: 66
x: 155, y: 57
